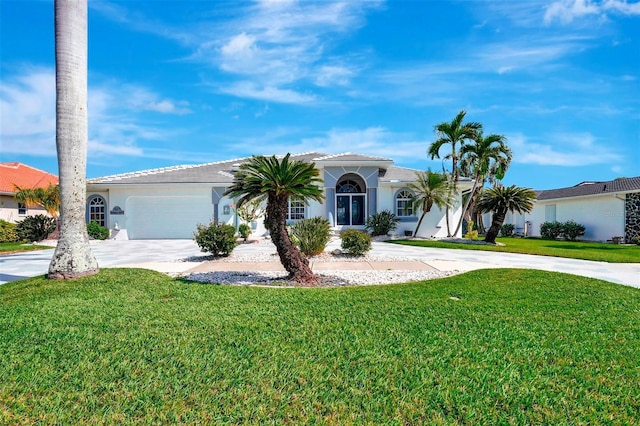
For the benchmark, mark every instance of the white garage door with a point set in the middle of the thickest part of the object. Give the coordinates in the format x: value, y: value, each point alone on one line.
x: 166, y: 217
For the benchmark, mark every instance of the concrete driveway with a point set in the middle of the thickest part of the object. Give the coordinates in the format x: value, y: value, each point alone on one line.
x: 163, y: 255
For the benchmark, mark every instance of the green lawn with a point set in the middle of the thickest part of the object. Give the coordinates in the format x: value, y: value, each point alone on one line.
x: 8, y: 248
x: 614, y: 253
x: 487, y: 347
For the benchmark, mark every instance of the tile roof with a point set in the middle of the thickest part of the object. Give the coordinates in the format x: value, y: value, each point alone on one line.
x: 592, y: 188
x: 217, y: 172
x: 351, y: 156
x: 24, y: 176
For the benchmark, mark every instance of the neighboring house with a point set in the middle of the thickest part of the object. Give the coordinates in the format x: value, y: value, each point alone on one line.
x: 170, y: 202
x: 607, y: 209
x: 26, y: 177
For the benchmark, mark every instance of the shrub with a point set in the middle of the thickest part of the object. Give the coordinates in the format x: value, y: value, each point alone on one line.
x: 551, y: 230
x: 244, y: 230
x: 8, y: 232
x: 35, y: 228
x: 96, y: 231
x: 216, y: 238
x: 507, y: 230
x: 572, y: 230
x: 311, y: 235
x: 472, y: 232
x: 355, y: 242
x: 381, y: 223
x: 635, y: 240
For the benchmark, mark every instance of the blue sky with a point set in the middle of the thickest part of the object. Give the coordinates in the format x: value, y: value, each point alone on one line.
x: 174, y: 82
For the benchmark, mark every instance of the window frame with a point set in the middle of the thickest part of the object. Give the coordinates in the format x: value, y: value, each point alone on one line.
x: 407, y: 199
x: 102, y: 215
x: 296, y: 210
x: 22, y: 209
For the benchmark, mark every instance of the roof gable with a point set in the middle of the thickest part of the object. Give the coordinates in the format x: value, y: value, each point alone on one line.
x: 593, y: 188
x: 24, y: 176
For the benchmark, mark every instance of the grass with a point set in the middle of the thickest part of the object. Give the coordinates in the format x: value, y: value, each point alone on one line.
x: 18, y: 247
x: 614, y: 253
x: 134, y: 346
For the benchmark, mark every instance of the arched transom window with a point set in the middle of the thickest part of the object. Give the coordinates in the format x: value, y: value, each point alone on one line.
x: 404, y: 201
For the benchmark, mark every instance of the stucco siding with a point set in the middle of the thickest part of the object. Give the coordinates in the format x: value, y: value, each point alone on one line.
x: 603, y: 217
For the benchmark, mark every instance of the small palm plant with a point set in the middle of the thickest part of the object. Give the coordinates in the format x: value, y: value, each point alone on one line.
x: 431, y: 188
x: 278, y: 180
x: 501, y: 200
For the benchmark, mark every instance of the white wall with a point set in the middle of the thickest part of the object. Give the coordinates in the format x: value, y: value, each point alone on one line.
x: 433, y: 225
x: 602, y: 216
x: 9, y: 210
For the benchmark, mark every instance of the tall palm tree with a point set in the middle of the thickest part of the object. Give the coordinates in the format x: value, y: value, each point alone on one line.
x: 453, y: 133
x: 430, y: 188
x: 72, y: 257
x: 485, y: 158
x: 501, y: 200
x: 279, y: 180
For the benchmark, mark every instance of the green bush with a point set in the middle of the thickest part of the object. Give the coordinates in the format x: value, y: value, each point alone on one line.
x: 355, y: 242
x: 35, y: 228
x: 96, y: 231
x: 507, y: 230
x: 244, y: 230
x: 635, y: 240
x: 216, y: 238
x: 311, y: 235
x: 381, y: 223
x: 551, y: 230
x: 8, y: 232
x: 572, y: 230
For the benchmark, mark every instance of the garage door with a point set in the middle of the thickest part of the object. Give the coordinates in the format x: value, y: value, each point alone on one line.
x: 166, y: 217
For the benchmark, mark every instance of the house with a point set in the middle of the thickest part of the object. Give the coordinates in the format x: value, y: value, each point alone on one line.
x: 169, y: 202
x: 607, y: 209
x: 27, y: 177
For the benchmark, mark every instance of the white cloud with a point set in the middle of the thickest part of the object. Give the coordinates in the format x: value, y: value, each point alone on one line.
x: 248, y: 89
x: 333, y: 75
x: 568, y: 10
x: 568, y: 149
x: 28, y: 124
x: 28, y: 113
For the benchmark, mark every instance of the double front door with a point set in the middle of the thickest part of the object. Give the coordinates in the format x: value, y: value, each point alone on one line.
x: 350, y: 209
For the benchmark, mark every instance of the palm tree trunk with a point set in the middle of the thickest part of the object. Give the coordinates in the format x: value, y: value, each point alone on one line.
x: 73, y: 257
x: 472, y: 195
x: 496, y: 224
x: 415, y: 233
x: 290, y: 256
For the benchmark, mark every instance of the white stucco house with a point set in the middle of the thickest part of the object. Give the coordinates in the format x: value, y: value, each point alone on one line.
x: 607, y: 209
x: 169, y: 202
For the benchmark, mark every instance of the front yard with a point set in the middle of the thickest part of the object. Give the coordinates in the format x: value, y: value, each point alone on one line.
x: 602, y: 252
x: 488, y: 347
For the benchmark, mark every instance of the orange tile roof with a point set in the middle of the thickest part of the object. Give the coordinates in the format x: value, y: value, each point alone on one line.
x: 24, y: 176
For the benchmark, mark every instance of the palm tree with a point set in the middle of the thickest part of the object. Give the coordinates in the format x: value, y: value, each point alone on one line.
x: 431, y: 188
x: 72, y: 257
x: 486, y: 158
x: 279, y: 180
x: 501, y: 200
x: 453, y: 133
x: 48, y: 198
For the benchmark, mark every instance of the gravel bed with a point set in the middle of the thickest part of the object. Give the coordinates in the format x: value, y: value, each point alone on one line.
x: 328, y: 278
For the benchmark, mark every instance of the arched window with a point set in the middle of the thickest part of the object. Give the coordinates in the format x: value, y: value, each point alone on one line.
x: 96, y: 210
x: 351, y: 200
x: 404, y: 201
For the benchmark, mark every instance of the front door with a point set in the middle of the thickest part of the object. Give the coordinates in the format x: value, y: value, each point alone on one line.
x: 350, y: 209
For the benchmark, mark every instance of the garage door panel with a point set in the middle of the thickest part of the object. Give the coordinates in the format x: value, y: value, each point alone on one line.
x: 166, y: 216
